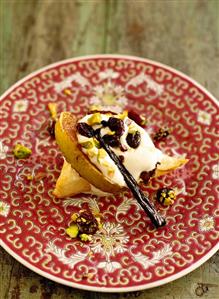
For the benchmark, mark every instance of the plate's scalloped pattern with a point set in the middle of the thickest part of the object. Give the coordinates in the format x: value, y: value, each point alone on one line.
x: 128, y: 253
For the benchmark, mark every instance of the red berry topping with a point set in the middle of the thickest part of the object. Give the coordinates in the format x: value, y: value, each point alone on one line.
x: 134, y: 139
x: 84, y: 129
x: 117, y: 125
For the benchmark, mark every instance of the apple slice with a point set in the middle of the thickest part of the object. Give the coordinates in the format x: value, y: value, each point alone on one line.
x: 169, y: 164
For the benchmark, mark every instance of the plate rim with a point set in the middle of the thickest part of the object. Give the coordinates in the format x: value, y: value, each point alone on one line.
x: 99, y: 288
x: 86, y: 57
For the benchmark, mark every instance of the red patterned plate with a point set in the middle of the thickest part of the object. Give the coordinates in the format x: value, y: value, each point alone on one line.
x: 128, y: 254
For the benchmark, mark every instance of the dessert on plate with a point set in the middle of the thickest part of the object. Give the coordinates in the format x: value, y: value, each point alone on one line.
x: 87, y: 166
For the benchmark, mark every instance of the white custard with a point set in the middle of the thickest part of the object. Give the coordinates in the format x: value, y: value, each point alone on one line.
x: 136, y: 160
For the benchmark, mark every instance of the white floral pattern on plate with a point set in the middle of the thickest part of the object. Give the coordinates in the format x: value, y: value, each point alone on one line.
x: 108, y: 74
x: 3, y: 150
x: 20, y: 106
x: 110, y: 96
x: 36, y: 218
x: 215, y: 173
x: 206, y: 224
x: 4, y: 208
x: 157, y: 256
x: 151, y: 84
x: 204, y: 117
x: 67, y: 82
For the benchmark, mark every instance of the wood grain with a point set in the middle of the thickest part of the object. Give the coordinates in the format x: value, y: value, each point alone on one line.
x: 183, y: 34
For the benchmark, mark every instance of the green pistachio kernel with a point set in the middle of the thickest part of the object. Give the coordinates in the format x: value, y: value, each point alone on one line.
x: 123, y: 115
x: 95, y: 119
x: 72, y: 231
x: 85, y: 237
x: 96, y: 143
x: 101, y: 154
x: 87, y: 144
x: 91, y: 152
x: 21, y: 152
x: 111, y: 132
x: 168, y: 201
x: 132, y: 129
x: 166, y: 196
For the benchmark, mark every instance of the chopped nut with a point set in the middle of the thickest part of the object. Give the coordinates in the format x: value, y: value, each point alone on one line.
x: 67, y: 91
x: 106, y: 164
x: 109, y: 132
x: 91, y: 152
x: 100, y: 225
x: 161, y: 134
x: 21, y: 152
x: 87, y: 275
x: 101, y: 154
x: 84, y: 225
x: 86, y: 222
x: 123, y: 115
x: 72, y: 231
x: 53, y: 110
x: 166, y: 196
x: 96, y: 143
x: 95, y: 119
x: 132, y: 129
x: 74, y: 217
x: 85, y: 237
x: 87, y: 144
x: 111, y: 172
x: 29, y: 177
x: 40, y: 175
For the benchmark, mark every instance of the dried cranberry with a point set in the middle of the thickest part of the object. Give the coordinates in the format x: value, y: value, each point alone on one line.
x: 104, y: 123
x: 87, y: 223
x: 134, y: 139
x: 117, y: 125
x: 139, y: 119
x: 146, y: 175
x: 51, y: 127
x: 111, y: 140
x: 84, y: 129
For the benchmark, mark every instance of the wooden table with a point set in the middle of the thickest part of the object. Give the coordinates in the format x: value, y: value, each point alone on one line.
x: 183, y: 34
